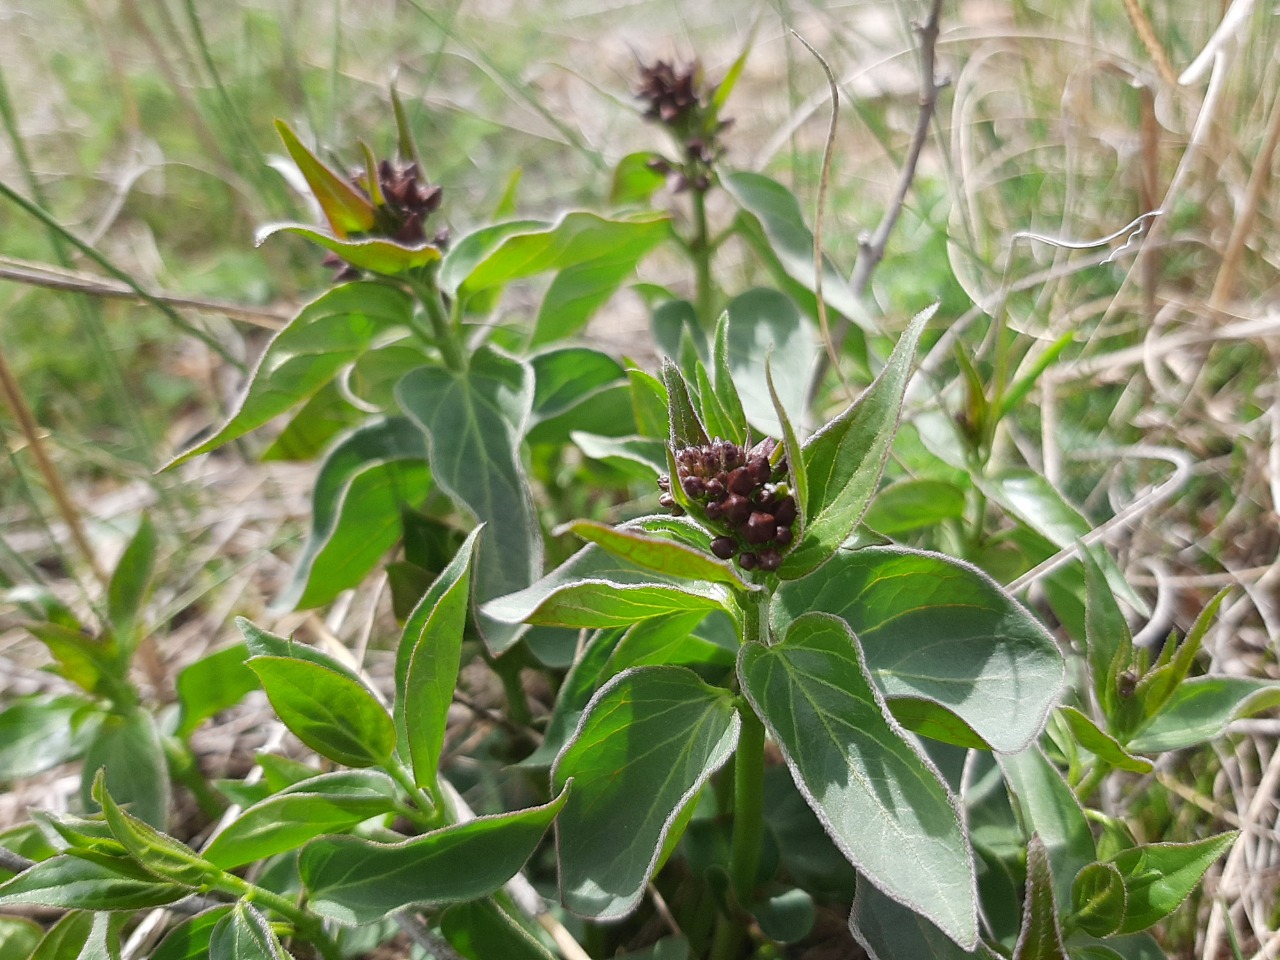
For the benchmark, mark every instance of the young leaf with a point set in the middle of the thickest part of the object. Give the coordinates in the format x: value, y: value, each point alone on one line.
x: 1100, y: 743
x: 913, y: 505
x: 329, y: 333
x: 1159, y: 876
x: 592, y: 589
x: 882, y: 802
x: 212, y: 684
x: 722, y: 381
x: 130, y: 582
x: 245, y: 934
x: 938, y: 629
x: 686, y: 426
x: 18, y: 937
x: 474, y: 422
x: 635, y: 180
x: 657, y: 553
x: 646, y: 744
x: 888, y: 930
x: 666, y: 640
x: 369, y: 477
x: 1049, y: 809
x: 795, y: 461
x: 1041, y: 936
x: 37, y: 733
x: 375, y: 254
x: 356, y: 881
x: 1109, y: 645
x: 284, y: 821
x: 1200, y: 710
x: 1098, y: 899
x: 637, y: 456
x: 434, y: 655
x: 331, y: 713
x: 157, y: 853
x: 843, y: 460
x: 346, y: 209
x: 128, y: 745
x: 72, y: 883
x: 765, y: 327
x: 262, y: 643
x: 1175, y: 661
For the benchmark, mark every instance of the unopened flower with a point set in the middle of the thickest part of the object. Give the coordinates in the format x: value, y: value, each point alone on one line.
x: 680, y: 99
x: 743, y: 496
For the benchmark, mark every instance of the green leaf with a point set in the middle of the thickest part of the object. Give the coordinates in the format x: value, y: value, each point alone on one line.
x: 778, y: 213
x: 157, y: 853
x: 368, y: 478
x: 482, y: 930
x: 765, y: 328
x: 18, y: 937
x: 347, y: 210
x: 578, y: 388
x: 131, y: 581
x: 87, y: 661
x: 845, y: 458
x: 129, y: 747
x: 1200, y: 710
x: 356, y: 881
x: 666, y: 640
x: 938, y: 629
x: 284, y: 821
x: 474, y: 422
x: 1041, y: 937
x: 329, y: 333
x: 244, y: 934
x: 930, y: 720
x: 38, y: 733
x: 313, y: 426
x: 634, y: 181
x: 785, y: 917
x: 593, y: 589
x: 470, y: 250
x: 1098, y: 899
x: 1049, y: 809
x: 656, y: 553
x: 433, y: 648
x: 375, y: 254
x: 574, y: 238
x: 1100, y: 743
x: 1029, y: 498
x: 648, y: 741
x: 65, y: 938
x: 212, y: 684
x: 880, y: 799
x: 103, y: 942
x: 791, y: 447
x: 332, y: 714
x: 638, y: 456
x: 649, y: 403
x: 72, y: 883
x: 1159, y: 876
x: 914, y: 504
x: 189, y: 940
x: 580, y: 289
x: 261, y: 643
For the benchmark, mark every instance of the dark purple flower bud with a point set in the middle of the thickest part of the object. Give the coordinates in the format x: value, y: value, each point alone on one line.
x: 714, y: 489
x: 782, y: 536
x: 667, y: 501
x: 785, y: 512
x: 664, y: 482
x: 759, y: 528
x: 694, y: 488
x: 714, y: 510
x: 747, y: 561
x: 740, y: 482
x: 767, y: 497
x: 724, y: 547
x: 770, y: 560
x: 736, y: 508
x: 759, y: 469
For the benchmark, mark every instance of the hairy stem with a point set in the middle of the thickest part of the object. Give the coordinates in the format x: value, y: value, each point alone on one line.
x: 700, y: 249
x: 443, y: 332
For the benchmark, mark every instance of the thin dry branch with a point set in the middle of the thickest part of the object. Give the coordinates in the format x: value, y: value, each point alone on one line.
x: 72, y: 281
x: 871, y: 249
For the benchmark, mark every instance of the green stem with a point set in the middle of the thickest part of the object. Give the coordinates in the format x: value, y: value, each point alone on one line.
x: 700, y: 249
x: 443, y: 333
x: 306, y: 925
x: 748, y: 808
x: 1091, y: 780
x: 184, y: 768
x: 431, y: 811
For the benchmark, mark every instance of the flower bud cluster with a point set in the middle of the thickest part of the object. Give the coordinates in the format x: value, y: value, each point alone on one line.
x: 681, y: 100
x: 742, y: 495
x: 407, y: 201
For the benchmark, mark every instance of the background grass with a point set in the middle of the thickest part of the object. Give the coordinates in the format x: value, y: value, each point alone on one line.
x: 143, y: 128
